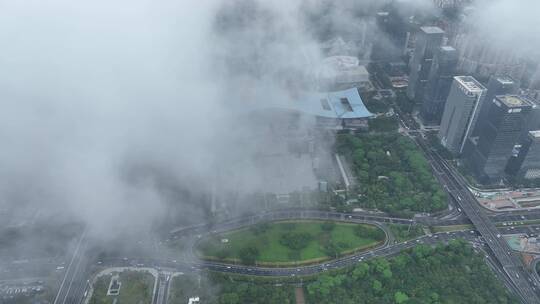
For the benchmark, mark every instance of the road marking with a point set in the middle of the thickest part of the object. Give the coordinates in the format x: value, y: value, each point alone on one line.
x: 69, y: 266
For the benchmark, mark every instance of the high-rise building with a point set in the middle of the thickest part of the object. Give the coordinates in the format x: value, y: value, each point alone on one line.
x: 530, y: 166
x: 526, y: 161
x: 451, y: 3
x: 428, y: 40
x: 461, y: 112
x: 534, y: 118
x: 438, y: 85
x: 497, y: 85
x: 498, y: 136
x: 478, y: 59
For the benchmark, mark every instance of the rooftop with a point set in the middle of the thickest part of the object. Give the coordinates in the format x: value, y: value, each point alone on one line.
x: 448, y: 48
x: 432, y: 30
x: 339, y: 104
x: 470, y: 84
x: 535, y: 134
x: 513, y: 101
x: 505, y: 79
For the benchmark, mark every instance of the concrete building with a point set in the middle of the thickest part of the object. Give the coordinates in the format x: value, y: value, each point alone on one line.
x: 438, y: 85
x: 341, y: 73
x: 530, y: 167
x: 451, y: 3
x: 534, y: 118
x: 490, y: 152
x: 526, y: 161
x: 497, y: 85
x: 479, y: 58
x: 461, y: 112
x: 328, y: 110
x: 428, y: 40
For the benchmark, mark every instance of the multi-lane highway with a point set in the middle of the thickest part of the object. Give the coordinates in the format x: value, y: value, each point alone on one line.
x: 498, y: 254
x: 75, y: 294
x: 457, y: 188
x: 75, y: 276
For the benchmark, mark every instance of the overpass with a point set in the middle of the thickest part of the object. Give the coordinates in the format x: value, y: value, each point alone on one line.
x: 457, y: 188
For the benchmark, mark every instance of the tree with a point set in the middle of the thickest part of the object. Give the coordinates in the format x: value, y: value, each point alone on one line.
x: 328, y: 226
x: 295, y: 240
x: 260, y: 228
x: 400, y: 297
x: 248, y: 255
x: 377, y: 286
x: 360, y: 271
x: 223, y: 253
x: 229, y: 298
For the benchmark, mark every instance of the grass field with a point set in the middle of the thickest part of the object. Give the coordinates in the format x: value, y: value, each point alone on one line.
x: 452, y: 228
x: 185, y: 286
x: 270, y: 247
x: 137, y: 288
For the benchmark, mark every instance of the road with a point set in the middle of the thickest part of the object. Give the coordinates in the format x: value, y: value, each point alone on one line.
x: 388, y: 250
x: 75, y: 276
x: 162, y: 292
x: 457, y: 188
x: 192, y: 264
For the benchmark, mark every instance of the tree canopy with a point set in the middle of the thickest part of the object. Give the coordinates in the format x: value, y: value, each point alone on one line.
x: 431, y: 275
x: 392, y: 174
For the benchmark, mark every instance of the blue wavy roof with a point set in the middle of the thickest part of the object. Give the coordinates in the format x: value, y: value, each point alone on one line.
x: 339, y: 104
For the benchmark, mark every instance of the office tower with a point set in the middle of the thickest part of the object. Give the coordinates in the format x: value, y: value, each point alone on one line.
x: 533, y: 122
x: 428, y: 40
x: 525, y: 163
x: 530, y: 153
x: 393, y: 25
x: 438, y: 85
x: 460, y: 112
x: 497, y: 85
x: 498, y: 136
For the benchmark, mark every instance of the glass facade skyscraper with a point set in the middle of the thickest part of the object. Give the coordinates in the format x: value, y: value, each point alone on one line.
x: 438, y: 84
x: 460, y: 112
x: 497, y: 137
x: 428, y: 40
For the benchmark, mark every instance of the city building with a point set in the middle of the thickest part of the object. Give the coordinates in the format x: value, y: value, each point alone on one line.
x: 451, y: 3
x: 497, y: 85
x: 461, y: 112
x: 428, y: 40
x: 478, y: 57
x: 534, y: 118
x: 530, y: 166
x: 342, y: 72
x: 498, y: 135
x: 328, y: 110
x: 525, y: 163
x: 438, y: 85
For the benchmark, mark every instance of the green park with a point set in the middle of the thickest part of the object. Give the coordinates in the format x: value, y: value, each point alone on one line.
x: 135, y: 288
x: 290, y: 242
